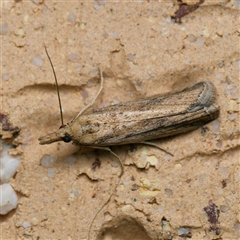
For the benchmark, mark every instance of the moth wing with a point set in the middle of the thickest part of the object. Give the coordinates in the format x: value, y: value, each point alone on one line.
x: 150, y: 118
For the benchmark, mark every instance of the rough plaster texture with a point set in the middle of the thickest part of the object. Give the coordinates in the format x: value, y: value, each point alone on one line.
x: 141, y: 52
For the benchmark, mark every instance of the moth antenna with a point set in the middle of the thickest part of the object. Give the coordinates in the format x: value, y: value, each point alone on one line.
x: 55, y: 77
x: 94, y: 100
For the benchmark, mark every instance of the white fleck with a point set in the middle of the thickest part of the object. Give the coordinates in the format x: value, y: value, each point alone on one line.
x: 8, y: 164
x: 183, y: 231
x: 115, y: 101
x: 97, y: 6
x: 131, y: 57
x: 237, y: 3
x: 219, y: 76
x: 86, y: 43
x: 51, y: 172
x: 78, y: 68
x: 126, y: 182
x: 115, y: 164
x: 232, y: 116
x: 167, y: 156
x: 219, y: 144
x: 116, y: 35
x: 192, y: 38
x: 215, y: 125
x: 73, y: 57
x: 160, y: 209
x: 237, y: 227
x: 201, y: 180
x: 224, y: 171
x: 168, y: 19
x: 228, y: 91
x: 3, y: 28
x: 48, y: 103
x: 37, y: 61
x: 26, y: 224
x: 90, y: 83
x: 47, y: 161
x: 71, y: 160
x: 93, y: 72
x: 5, y: 77
x: 75, y: 192
x: 168, y: 192
x: 84, y: 94
x: 221, y: 64
x: 200, y: 41
x: 8, y: 199
x: 71, y: 17
x: 224, y: 208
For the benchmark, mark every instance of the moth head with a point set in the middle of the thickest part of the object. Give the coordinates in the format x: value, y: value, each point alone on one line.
x: 63, y: 134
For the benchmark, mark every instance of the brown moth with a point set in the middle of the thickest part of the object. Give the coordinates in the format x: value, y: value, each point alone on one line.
x: 141, y: 120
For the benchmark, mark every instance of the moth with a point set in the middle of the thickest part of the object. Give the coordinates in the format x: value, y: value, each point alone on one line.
x: 139, y: 121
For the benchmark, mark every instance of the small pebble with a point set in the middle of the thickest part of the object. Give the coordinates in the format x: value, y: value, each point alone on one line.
x: 73, y: 57
x: 200, y: 41
x: 237, y: 3
x: 8, y: 199
x: 131, y: 57
x: 116, y: 35
x: 71, y: 160
x: 5, y: 77
x: 183, y: 231
x: 71, y: 17
x: 96, y: 6
x: 3, y: 28
x: 224, y: 208
x: 51, y: 172
x: 26, y: 224
x: 168, y: 192
x: 232, y: 116
x: 78, y: 68
x: 237, y: 227
x: 37, y: 61
x: 93, y: 72
x: 215, y: 126
x: 191, y: 38
x: 47, y: 161
x: 8, y: 164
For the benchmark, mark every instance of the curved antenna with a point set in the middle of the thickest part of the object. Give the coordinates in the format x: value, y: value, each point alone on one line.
x: 59, y: 100
x: 94, y: 100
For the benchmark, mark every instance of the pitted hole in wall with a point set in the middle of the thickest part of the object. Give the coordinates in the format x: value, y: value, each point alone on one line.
x: 123, y: 228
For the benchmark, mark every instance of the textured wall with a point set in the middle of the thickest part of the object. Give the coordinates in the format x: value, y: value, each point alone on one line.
x: 141, y: 52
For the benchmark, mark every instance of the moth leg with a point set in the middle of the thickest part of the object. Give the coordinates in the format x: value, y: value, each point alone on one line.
x: 155, y: 145
x: 93, y: 101
x: 114, y: 154
x: 119, y: 179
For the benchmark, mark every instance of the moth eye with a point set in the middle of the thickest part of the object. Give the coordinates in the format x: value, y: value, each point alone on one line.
x: 67, y: 139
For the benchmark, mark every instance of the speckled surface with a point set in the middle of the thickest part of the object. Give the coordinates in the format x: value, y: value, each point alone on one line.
x: 194, y: 194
